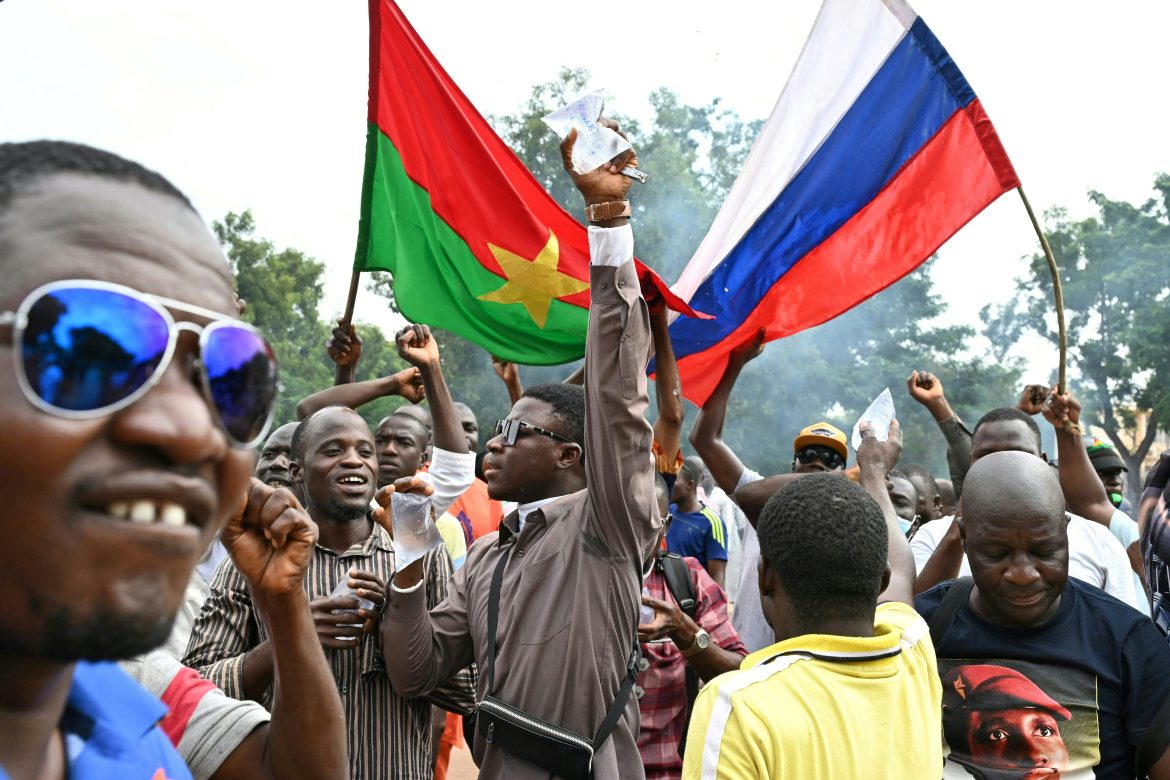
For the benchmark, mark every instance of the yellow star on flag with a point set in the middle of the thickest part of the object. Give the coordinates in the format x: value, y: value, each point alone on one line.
x: 533, y: 283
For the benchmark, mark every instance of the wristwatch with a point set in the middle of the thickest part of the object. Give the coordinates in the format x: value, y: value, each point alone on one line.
x: 701, y: 643
x: 600, y: 212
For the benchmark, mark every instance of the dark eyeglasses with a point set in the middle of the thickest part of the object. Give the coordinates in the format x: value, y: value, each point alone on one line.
x: 86, y: 348
x: 829, y: 457
x: 510, y: 429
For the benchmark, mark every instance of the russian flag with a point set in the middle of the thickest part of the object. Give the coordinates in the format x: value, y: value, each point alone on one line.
x: 876, y: 153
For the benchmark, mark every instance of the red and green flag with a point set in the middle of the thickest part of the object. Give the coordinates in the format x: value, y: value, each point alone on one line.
x: 475, y: 244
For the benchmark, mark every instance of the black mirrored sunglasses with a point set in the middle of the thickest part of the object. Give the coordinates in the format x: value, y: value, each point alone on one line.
x: 829, y: 457
x: 510, y: 429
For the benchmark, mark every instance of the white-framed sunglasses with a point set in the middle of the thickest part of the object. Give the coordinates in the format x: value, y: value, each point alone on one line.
x: 85, y: 348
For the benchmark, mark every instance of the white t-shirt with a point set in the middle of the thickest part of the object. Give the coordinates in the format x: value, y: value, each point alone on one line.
x: 748, y: 617
x: 1094, y: 556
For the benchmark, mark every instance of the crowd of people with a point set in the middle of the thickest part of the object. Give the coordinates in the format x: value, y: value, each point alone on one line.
x: 191, y: 591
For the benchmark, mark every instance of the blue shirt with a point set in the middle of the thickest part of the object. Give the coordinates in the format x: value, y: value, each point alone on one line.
x: 1096, y: 672
x: 698, y: 535
x: 111, y: 729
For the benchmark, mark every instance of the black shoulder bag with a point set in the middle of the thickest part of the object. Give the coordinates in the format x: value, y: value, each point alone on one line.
x: 678, y: 581
x: 548, y: 746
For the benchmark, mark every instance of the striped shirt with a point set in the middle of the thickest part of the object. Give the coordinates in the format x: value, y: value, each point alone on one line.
x: 389, y: 736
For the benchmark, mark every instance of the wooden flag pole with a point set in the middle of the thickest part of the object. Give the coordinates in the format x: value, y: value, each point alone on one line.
x: 1052, y: 268
x: 354, y: 281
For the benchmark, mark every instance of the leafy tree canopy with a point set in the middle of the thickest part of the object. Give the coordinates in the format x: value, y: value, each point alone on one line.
x: 1115, y: 272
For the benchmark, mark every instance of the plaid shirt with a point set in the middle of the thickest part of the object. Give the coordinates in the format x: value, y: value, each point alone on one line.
x: 663, y: 704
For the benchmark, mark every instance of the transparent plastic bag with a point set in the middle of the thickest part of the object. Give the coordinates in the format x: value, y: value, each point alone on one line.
x: 415, y: 532
x: 595, y: 145
x: 343, y: 589
x: 879, y: 414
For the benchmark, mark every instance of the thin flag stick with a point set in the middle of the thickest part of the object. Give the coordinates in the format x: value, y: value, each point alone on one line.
x: 1056, y: 286
x: 354, y: 281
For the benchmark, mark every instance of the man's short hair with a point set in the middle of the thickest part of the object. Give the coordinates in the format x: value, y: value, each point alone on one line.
x: 301, y: 433
x: 916, y: 470
x: 826, y: 540
x: 23, y: 163
x: 693, y: 466
x: 568, y: 406
x: 1010, y: 414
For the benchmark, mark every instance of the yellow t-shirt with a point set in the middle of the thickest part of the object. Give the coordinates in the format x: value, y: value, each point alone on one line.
x: 830, y: 707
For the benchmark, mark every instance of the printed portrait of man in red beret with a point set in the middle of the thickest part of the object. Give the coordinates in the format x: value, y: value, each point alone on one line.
x: 999, y: 724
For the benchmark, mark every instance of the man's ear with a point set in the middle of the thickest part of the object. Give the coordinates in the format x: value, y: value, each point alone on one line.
x: 569, y: 455
x: 295, y: 472
x: 938, y: 503
x: 886, y: 575
x: 764, y: 578
x: 962, y: 534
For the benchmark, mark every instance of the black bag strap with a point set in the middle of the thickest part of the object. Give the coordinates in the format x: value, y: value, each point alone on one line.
x: 678, y: 582
x: 944, y: 614
x: 494, y: 611
x: 623, y: 695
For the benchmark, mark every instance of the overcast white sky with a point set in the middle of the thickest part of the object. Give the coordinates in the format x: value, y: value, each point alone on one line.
x: 261, y: 105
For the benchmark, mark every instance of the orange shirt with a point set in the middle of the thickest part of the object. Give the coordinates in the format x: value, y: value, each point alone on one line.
x: 476, y: 512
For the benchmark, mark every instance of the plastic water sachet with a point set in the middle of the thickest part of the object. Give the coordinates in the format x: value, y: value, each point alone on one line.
x: 343, y: 589
x: 595, y: 145
x: 879, y: 414
x: 415, y: 532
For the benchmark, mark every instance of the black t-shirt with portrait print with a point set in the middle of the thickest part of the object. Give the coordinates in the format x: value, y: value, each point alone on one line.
x: 1076, y: 694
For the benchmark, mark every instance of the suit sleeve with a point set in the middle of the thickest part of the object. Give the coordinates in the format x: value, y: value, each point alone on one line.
x: 618, y: 466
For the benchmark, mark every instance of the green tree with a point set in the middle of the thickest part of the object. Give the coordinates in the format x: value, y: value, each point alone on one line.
x: 283, y: 290
x: 1115, y: 272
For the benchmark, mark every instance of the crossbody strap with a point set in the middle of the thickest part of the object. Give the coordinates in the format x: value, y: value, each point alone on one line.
x: 623, y: 695
x: 619, y: 703
x: 494, y: 612
x: 944, y: 614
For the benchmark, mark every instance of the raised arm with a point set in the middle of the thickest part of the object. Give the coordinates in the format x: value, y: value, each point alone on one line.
x: 1083, y: 491
x: 927, y: 389
x: 345, y: 350
x: 618, y: 469
x: 752, y: 497
x: 452, y: 466
x: 509, y: 374
x: 271, y: 542
x: 668, y: 386
x: 406, y: 383
x: 707, y: 432
x: 875, y: 459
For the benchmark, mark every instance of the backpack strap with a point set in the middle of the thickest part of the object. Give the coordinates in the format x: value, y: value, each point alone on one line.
x: 678, y: 582
x: 944, y: 615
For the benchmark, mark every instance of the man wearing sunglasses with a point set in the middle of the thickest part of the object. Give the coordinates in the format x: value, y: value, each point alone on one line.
x: 571, y: 552
x: 128, y: 414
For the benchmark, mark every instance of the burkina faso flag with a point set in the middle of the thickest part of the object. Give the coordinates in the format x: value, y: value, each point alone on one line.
x: 475, y: 244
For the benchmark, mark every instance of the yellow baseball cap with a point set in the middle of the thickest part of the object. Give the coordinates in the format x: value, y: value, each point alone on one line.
x: 825, y: 435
